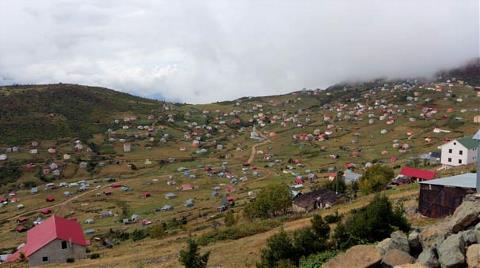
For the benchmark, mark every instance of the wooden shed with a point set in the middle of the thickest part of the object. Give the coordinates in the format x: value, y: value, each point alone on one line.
x: 440, y: 197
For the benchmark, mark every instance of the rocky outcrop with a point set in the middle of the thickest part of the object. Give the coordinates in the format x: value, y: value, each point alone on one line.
x: 473, y: 256
x: 451, y: 252
x: 361, y: 256
x: 466, y: 214
x: 414, y: 240
x: 396, y: 257
x: 429, y: 258
x: 397, y: 240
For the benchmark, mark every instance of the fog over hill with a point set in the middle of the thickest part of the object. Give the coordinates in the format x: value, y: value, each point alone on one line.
x: 203, y: 51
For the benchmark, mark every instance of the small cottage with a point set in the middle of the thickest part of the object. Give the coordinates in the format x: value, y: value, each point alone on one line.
x: 55, y: 240
x: 321, y: 198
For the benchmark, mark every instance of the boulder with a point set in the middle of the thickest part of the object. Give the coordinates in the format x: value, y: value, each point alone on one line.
x: 473, y: 256
x: 361, y: 256
x: 476, y: 229
x: 428, y: 258
x: 414, y: 239
x: 398, y: 240
x: 433, y: 235
x: 451, y: 252
x: 469, y: 237
x: 466, y: 214
x: 396, y: 257
x: 412, y: 265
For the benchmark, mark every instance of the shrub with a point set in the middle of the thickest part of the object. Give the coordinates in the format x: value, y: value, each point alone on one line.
x: 139, y: 234
x: 370, y: 224
x: 230, y: 219
x: 94, y: 256
x: 279, y: 247
x: 191, y: 258
x: 272, y: 201
x: 157, y: 230
x: 317, y: 260
x: 333, y: 218
x: 375, y: 178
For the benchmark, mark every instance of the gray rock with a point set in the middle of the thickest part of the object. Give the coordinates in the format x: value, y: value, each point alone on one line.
x: 414, y: 239
x: 396, y: 257
x: 428, y: 258
x: 398, y: 240
x: 473, y: 256
x: 451, y: 252
x: 469, y: 237
x: 465, y: 215
x: 433, y: 235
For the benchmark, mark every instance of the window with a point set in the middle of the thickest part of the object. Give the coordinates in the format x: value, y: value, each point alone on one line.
x: 450, y: 151
x: 460, y: 152
x: 449, y: 160
x: 45, y: 259
x: 454, y: 143
x: 64, y: 244
x: 459, y: 161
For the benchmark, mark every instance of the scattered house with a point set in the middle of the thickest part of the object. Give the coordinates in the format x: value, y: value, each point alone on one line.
x: 45, y: 211
x: 55, y: 240
x: 50, y: 198
x: 127, y: 147
x: 89, y: 221
x: 166, y: 208
x: 476, y: 119
x: 146, y: 194
x: 189, y: 203
x: 349, y: 176
x: 440, y: 197
x: 34, y: 190
x: 416, y: 174
x: 170, y: 195
x: 321, y: 198
x: 187, y: 187
x: 459, y: 152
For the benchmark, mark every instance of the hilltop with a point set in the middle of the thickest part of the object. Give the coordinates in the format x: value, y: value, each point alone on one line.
x: 30, y: 112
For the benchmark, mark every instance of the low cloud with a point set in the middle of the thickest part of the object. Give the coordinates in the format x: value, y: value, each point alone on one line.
x: 204, y: 51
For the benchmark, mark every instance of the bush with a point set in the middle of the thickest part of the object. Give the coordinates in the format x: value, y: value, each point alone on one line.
x: 94, y: 256
x: 70, y: 260
x: 375, y: 178
x: 317, y: 260
x: 191, y: 258
x: 279, y: 247
x: 370, y: 224
x: 139, y: 235
x: 333, y: 218
x: 157, y: 230
x: 230, y: 219
x: 272, y: 201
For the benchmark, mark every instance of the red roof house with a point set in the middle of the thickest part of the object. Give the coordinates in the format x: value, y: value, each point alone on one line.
x: 50, y: 198
x: 187, y: 186
x: 419, y: 174
x: 54, y: 235
x: 45, y: 211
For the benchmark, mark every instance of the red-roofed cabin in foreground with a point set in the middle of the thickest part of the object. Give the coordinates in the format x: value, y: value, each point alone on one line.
x: 55, y: 240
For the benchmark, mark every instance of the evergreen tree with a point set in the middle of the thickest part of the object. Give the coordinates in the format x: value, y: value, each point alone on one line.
x: 191, y: 258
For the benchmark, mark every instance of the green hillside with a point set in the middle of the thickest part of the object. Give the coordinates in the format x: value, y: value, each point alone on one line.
x: 29, y: 112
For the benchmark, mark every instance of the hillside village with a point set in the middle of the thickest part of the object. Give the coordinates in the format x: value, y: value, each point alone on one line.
x: 187, y: 170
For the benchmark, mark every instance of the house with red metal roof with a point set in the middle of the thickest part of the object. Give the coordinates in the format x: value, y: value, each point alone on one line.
x: 55, y: 240
x: 418, y: 174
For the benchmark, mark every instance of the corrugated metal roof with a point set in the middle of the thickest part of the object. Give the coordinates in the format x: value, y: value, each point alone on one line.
x: 466, y: 180
x: 468, y: 142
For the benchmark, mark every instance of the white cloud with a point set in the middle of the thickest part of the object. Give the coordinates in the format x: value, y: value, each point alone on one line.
x: 202, y: 51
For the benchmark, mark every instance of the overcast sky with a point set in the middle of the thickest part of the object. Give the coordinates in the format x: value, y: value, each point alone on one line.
x: 206, y: 50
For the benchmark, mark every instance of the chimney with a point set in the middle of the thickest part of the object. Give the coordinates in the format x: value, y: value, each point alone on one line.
x: 477, y: 138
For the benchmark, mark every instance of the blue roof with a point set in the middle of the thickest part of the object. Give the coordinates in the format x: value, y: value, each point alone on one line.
x: 466, y: 180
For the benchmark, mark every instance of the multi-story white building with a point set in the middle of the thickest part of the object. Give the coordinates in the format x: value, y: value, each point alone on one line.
x: 459, y: 152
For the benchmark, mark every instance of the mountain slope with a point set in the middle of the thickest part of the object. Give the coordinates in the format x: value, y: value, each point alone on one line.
x: 62, y: 110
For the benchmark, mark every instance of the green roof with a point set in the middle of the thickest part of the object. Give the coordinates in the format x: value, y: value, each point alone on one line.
x: 469, y: 143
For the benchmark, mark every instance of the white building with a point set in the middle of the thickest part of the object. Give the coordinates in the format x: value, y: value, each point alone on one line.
x: 459, y: 152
